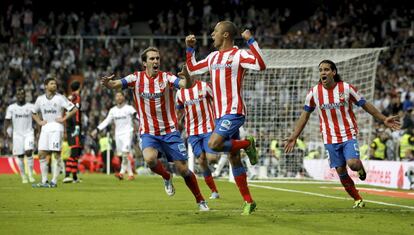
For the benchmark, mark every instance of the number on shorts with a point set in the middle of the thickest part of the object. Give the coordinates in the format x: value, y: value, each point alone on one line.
x: 356, y: 147
x: 328, y: 157
x: 55, y: 144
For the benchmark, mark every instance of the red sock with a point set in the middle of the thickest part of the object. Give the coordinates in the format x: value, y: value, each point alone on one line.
x: 160, y: 170
x: 210, y: 183
x: 241, y: 182
x: 191, y: 182
x: 239, y: 144
x: 68, y: 166
x: 349, y: 186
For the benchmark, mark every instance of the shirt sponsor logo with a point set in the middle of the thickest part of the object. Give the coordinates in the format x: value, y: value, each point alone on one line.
x: 220, y: 66
x: 120, y: 117
x: 21, y: 116
x: 146, y: 95
x: 333, y: 105
x: 193, y: 101
x: 50, y: 111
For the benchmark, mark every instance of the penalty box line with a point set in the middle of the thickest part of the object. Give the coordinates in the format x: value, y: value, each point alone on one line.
x: 328, y: 196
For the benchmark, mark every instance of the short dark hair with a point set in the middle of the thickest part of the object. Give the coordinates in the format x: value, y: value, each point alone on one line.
x: 75, y: 85
x: 332, y: 65
x: 144, y: 53
x: 46, y: 82
x: 120, y: 92
x: 20, y: 89
x: 230, y: 27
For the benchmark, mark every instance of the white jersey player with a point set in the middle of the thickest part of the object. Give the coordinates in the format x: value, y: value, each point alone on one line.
x: 122, y: 115
x: 20, y: 116
x: 51, y: 107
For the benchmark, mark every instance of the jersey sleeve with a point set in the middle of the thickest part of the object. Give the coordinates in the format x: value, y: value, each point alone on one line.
x: 252, y: 59
x: 309, y: 102
x: 106, y: 121
x: 209, y: 90
x: 66, y: 104
x: 173, y: 80
x: 130, y: 80
x: 355, y: 97
x: 132, y: 111
x: 196, y: 67
x: 9, y: 113
x: 178, y: 101
x: 36, y: 106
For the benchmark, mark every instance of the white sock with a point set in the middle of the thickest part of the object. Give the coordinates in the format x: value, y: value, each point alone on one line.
x: 43, y: 169
x: 30, y: 165
x: 250, y: 167
x: 129, y: 167
x: 222, y: 162
x: 20, y: 162
x: 124, y: 163
x: 56, y: 170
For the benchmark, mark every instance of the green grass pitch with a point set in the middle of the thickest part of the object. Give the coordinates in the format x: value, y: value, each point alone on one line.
x: 103, y: 205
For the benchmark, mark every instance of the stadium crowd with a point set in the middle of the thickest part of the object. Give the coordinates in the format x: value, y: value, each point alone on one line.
x: 31, y: 50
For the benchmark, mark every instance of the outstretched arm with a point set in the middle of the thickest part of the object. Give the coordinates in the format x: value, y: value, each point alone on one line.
x: 300, y: 125
x: 391, y: 121
x: 253, y: 60
x: 108, y: 82
x: 194, y: 67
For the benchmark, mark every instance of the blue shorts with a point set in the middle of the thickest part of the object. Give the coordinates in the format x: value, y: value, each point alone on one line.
x: 228, y: 126
x: 170, y: 144
x: 199, y: 143
x: 338, y: 154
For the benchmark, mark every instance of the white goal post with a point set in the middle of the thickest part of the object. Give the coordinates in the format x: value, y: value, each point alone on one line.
x: 275, y: 97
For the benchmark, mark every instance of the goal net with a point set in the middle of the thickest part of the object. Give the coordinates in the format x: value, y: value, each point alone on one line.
x: 275, y: 98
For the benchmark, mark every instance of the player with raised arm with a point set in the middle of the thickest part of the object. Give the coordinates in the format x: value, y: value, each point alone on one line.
x: 334, y: 98
x: 195, y: 105
x: 154, y: 101
x: 19, y: 115
x: 73, y: 130
x: 51, y: 106
x: 227, y: 67
x: 122, y: 115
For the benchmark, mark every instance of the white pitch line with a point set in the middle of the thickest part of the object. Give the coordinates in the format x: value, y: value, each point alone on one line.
x: 292, y: 182
x: 328, y: 196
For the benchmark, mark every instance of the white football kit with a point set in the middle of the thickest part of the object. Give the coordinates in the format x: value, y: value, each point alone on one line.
x: 123, y: 120
x: 23, y: 133
x: 52, y: 132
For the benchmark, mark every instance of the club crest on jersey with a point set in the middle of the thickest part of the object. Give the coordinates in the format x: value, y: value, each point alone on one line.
x: 230, y: 59
x: 161, y: 85
x: 341, y: 97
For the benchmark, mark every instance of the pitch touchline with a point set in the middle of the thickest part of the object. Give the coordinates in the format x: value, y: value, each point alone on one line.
x: 328, y: 196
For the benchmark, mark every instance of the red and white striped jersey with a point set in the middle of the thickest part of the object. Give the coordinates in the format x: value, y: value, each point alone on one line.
x: 337, y: 121
x: 197, y: 102
x: 227, y: 70
x: 154, y: 101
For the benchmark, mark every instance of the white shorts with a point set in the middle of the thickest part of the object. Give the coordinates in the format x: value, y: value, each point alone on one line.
x: 123, y: 143
x: 22, y: 143
x: 50, y: 141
